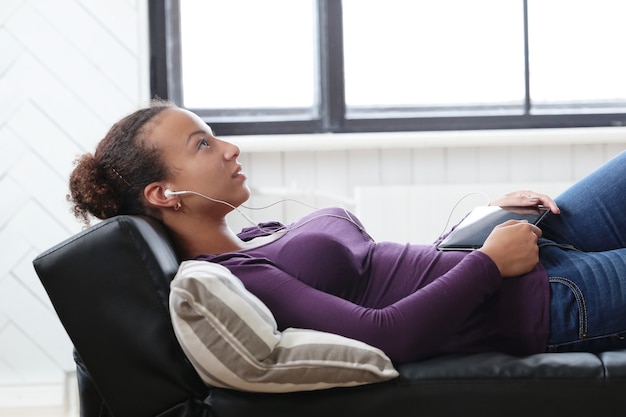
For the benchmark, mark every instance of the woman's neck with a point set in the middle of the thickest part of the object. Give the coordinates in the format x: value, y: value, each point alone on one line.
x: 192, y: 240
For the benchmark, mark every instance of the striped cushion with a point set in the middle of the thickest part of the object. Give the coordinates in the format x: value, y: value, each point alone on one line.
x: 231, y: 338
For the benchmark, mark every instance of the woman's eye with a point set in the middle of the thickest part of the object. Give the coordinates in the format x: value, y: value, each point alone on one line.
x: 203, y: 143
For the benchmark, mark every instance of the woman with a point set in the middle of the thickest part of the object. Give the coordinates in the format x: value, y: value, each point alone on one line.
x: 525, y: 291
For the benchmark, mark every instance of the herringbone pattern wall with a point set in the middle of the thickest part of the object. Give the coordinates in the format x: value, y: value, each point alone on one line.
x: 68, y: 69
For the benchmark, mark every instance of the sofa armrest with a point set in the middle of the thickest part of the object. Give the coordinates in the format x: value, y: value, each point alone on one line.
x: 110, y: 288
x: 91, y: 404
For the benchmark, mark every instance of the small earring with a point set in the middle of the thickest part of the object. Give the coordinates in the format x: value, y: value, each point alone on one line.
x: 177, y: 206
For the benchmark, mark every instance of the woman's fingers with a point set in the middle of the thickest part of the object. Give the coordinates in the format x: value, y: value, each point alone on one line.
x: 512, y: 246
x: 526, y: 198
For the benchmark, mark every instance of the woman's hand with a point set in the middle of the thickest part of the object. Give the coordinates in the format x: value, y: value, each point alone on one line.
x: 526, y: 198
x: 512, y: 246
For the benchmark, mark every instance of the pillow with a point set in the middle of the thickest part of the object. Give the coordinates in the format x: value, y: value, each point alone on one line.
x: 231, y: 339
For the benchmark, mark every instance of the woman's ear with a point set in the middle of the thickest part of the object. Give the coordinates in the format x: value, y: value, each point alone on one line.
x: 155, y: 195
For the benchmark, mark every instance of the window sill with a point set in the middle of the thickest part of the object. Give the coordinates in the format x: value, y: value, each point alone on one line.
x: 421, y: 140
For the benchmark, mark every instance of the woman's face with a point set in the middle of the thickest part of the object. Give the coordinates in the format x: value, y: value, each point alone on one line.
x: 198, y: 161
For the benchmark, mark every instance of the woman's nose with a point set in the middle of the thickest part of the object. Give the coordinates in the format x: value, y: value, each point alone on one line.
x: 231, y: 151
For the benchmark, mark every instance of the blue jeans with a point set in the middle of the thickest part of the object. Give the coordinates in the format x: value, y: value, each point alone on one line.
x: 584, y: 252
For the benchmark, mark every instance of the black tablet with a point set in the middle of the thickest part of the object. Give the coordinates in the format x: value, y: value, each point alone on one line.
x: 473, y: 230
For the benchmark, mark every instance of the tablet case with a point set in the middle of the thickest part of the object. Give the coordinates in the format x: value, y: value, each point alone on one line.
x: 473, y: 230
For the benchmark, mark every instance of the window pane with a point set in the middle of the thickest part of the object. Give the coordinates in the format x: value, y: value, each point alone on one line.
x: 248, y: 53
x: 576, y: 54
x: 433, y: 53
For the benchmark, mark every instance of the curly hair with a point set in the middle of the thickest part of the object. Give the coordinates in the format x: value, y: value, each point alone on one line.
x: 110, y: 182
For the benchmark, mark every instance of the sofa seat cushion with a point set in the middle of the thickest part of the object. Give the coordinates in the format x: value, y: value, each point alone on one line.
x: 578, y: 365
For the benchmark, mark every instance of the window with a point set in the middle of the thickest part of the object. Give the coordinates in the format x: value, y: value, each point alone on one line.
x: 303, y: 66
x: 258, y: 60
x: 435, y: 62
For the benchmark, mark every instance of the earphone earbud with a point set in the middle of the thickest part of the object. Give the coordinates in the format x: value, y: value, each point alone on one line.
x: 169, y: 193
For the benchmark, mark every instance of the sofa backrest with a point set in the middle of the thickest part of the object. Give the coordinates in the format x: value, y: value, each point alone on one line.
x: 109, y: 286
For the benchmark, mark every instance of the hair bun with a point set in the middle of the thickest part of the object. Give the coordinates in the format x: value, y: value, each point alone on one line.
x: 91, y: 190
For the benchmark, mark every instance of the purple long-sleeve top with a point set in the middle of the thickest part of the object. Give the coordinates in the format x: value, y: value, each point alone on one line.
x: 411, y: 301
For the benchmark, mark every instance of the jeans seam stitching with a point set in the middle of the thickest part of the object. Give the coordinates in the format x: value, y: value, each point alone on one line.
x: 580, y: 298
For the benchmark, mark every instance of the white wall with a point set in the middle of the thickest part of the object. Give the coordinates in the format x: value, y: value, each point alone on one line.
x: 70, y: 68
x: 319, y: 167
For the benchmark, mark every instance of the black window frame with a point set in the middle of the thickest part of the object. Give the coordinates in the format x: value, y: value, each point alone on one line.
x: 165, y: 73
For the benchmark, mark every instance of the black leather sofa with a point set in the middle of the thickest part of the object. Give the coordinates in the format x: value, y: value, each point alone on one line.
x: 109, y: 285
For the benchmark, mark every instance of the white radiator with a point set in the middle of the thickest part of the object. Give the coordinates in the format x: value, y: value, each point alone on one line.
x: 420, y: 213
